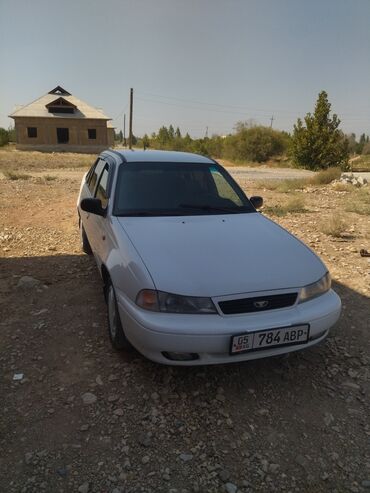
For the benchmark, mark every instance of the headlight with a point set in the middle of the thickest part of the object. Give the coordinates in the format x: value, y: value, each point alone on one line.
x: 158, y: 301
x: 315, y: 289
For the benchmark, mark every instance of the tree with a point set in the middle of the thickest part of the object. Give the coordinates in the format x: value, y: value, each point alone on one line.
x: 146, y: 142
x: 4, y: 137
x: 361, y: 143
x: 12, y: 134
x: 352, y: 143
x: 366, y: 148
x: 171, y: 132
x: 319, y: 144
x: 163, y: 136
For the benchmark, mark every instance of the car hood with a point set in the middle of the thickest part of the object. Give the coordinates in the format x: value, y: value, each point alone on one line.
x: 219, y: 255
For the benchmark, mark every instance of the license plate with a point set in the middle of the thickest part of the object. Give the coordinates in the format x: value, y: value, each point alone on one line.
x: 253, y: 341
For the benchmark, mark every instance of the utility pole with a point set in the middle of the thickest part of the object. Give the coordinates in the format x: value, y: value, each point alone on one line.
x: 124, y: 130
x: 206, y: 136
x: 271, y: 120
x: 130, y: 123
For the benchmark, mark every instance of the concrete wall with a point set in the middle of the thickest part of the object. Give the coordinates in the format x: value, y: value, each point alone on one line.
x: 110, y: 136
x: 46, y: 139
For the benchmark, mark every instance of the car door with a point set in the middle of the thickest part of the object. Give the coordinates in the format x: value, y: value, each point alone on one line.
x: 100, y: 225
x: 88, y: 191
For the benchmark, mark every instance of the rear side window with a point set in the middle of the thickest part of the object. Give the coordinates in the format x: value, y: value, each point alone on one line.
x: 102, y: 188
x: 91, y: 171
x: 94, y: 176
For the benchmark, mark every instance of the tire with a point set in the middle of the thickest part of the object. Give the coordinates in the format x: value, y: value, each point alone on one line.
x: 85, y: 245
x: 116, y: 333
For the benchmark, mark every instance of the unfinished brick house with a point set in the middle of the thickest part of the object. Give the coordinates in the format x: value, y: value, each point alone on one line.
x: 59, y: 122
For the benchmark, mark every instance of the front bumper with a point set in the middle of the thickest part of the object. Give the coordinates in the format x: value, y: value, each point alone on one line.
x: 209, y: 336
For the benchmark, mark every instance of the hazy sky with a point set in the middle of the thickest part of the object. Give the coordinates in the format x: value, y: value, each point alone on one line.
x: 192, y: 63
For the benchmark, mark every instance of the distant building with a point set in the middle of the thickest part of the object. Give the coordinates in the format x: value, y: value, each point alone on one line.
x: 60, y: 122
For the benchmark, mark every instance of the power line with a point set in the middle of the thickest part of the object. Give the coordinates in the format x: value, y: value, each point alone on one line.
x: 247, y: 108
x: 121, y: 112
x: 195, y: 108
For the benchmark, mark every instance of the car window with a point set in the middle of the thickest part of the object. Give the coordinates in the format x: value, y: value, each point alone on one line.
x: 95, y: 175
x: 91, y: 171
x: 102, y: 188
x: 177, y: 189
x: 224, y: 188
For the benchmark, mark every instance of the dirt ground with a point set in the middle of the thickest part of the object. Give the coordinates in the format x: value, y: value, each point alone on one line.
x: 84, y: 418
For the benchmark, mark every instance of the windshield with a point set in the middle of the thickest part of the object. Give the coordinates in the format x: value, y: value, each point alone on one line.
x: 174, y: 189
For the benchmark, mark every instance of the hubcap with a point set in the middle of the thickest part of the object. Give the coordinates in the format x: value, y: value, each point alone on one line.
x: 112, y: 313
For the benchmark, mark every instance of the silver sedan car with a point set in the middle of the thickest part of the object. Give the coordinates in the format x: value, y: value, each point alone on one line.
x: 193, y: 274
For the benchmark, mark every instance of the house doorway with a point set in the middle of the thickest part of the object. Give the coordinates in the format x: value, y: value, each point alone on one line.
x: 63, y: 135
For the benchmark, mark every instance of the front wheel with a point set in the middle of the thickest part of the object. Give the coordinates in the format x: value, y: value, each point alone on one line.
x: 116, y: 332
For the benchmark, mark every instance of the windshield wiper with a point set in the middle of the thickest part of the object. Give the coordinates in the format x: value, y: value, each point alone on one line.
x: 210, y: 208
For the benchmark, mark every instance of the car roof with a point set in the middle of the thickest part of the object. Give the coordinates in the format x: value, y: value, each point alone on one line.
x: 133, y: 156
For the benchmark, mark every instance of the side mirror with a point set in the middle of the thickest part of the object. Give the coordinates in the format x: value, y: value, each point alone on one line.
x: 257, y: 202
x: 93, y: 206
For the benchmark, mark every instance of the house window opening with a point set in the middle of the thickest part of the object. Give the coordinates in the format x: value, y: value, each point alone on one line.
x: 61, y: 109
x: 91, y: 133
x: 32, y: 132
x: 62, y: 135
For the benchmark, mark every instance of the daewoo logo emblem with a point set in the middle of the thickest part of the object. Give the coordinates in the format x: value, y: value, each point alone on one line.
x: 261, y: 304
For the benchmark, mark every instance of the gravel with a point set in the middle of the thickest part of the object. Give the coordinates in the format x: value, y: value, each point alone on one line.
x: 120, y: 423
x: 89, y: 398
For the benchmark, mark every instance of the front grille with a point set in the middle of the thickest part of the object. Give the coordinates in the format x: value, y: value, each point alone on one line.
x: 257, y: 304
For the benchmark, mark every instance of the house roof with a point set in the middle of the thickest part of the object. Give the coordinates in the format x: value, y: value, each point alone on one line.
x: 38, y: 108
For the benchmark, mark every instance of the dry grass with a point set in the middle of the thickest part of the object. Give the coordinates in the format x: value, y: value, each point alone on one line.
x: 271, y: 163
x: 362, y: 163
x: 14, y: 175
x: 343, y: 187
x: 39, y: 161
x: 295, y: 205
x: 267, y: 184
x: 334, y: 225
x: 49, y: 177
x: 325, y: 176
x: 359, y: 201
x: 285, y: 186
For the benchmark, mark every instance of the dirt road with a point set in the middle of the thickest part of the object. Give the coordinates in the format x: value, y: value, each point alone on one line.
x: 84, y: 418
x: 242, y: 172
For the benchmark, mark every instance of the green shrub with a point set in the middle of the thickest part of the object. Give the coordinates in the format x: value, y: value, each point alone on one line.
x: 4, y: 137
x: 255, y: 144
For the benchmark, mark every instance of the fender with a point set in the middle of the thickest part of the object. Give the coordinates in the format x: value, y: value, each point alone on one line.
x: 124, y: 265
